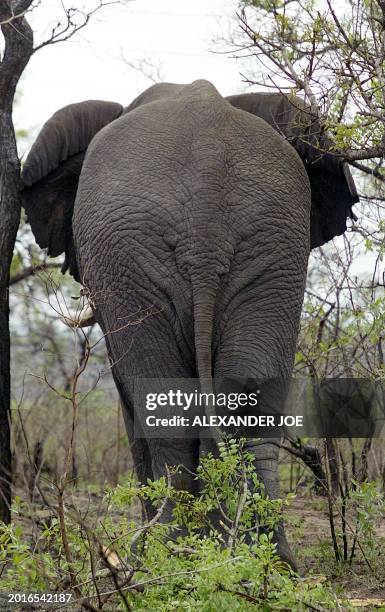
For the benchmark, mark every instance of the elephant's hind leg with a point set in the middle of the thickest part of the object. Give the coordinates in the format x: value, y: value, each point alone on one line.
x: 170, y: 453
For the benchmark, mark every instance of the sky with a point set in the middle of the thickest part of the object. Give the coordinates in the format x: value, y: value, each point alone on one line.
x: 180, y: 37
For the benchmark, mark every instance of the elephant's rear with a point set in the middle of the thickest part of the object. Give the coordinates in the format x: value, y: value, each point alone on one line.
x: 193, y: 219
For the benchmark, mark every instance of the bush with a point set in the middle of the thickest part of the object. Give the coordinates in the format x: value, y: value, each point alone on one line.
x: 187, y: 563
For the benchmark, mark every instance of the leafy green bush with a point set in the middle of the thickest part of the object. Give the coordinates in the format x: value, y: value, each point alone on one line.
x: 191, y: 562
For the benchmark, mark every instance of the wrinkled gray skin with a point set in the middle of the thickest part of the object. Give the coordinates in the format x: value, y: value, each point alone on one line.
x: 192, y: 217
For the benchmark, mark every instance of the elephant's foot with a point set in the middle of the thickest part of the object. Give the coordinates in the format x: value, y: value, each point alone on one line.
x: 283, y: 548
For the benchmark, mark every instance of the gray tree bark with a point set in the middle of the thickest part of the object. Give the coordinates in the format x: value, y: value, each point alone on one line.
x: 18, y: 49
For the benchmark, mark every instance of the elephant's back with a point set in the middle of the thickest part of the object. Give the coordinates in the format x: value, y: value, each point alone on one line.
x: 182, y: 186
x: 167, y: 153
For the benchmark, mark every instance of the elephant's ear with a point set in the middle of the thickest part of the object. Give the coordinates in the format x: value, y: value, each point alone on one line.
x: 51, y: 173
x: 332, y: 185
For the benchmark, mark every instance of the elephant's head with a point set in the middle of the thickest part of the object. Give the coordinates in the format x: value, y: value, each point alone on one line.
x: 332, y: 186
x: 51, y: 172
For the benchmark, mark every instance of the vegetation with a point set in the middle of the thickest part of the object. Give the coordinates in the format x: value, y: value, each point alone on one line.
x: 117, y: 562
x: 335, y: 56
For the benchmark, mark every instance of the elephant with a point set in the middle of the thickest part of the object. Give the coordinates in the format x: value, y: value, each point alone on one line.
x: 189, y: 219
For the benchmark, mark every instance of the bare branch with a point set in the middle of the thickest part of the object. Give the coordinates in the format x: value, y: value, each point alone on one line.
x: 74, y: 21
x: 150, y: 70
x: 32, y: 271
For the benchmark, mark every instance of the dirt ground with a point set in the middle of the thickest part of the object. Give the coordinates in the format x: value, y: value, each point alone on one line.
x: 308, y: 530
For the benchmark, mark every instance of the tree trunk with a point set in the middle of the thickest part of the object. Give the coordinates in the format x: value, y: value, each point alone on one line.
x: 18, y: 49
x: 9, y: 221
x: 311, y: 457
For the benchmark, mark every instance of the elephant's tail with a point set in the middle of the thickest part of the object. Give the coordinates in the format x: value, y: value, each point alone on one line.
x: 204, y: 298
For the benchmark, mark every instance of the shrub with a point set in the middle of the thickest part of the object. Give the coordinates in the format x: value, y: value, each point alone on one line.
x: 187, y: 563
